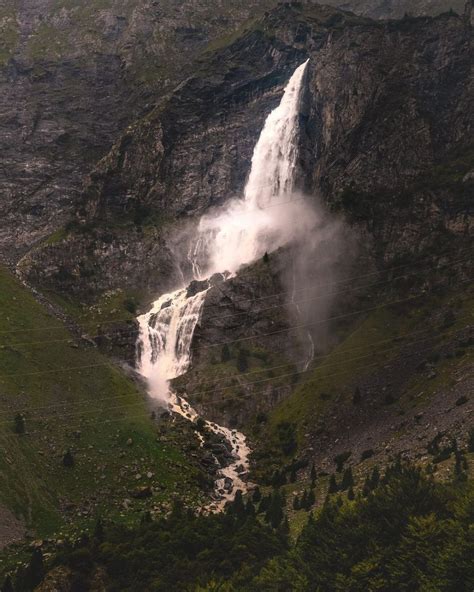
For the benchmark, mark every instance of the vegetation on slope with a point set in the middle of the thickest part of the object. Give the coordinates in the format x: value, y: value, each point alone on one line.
x: 59, y: 395
x: 408, y: 533
x: 389, y: 366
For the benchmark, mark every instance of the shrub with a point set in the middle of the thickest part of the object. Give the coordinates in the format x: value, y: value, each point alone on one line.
x: 19, y: 424
x: 369, y: 453
x: 340, y: 459
x: 68, y: 459
x: 130, y: 305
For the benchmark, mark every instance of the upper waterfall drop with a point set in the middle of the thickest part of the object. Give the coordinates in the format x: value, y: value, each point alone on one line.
x: 272, y: 176
x: 246, y: 228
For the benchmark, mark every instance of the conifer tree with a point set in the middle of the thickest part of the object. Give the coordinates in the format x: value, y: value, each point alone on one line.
x: 31, y: 576
x: 304, y: 500
x: 284, y: 529
x: 249, y: 508
x: 347, y: 479
x: 350, y: 494
x: 238, y: 507
x: 257, y: 495
x: 68, y: 459
x: 313, y: 475
x: 311, y: 499
x: 333, y: 486
x: 146, y: 518
x: 275, y: 514
x: 470, y: 444
x: 19, y: 424
x: 99, y: 531
x: 366, y: 489
x: 278, y: 479
x: 264, y: 504
x: 7, y: 584
x: 356, y: 399
x: 374, y: 478
x: 296, y: 503
x: 242, y: 361
x: 225, y: 353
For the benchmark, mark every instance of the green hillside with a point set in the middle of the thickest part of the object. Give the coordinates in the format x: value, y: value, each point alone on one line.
x: 72, y: 398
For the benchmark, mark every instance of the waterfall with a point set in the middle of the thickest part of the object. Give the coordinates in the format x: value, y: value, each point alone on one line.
x: 239, y: 234
x: 263, y: 219
x: 166, y: 333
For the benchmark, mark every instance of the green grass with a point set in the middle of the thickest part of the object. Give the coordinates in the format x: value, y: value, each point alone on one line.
x: 47, y: 42
x: 73, y: 398
x: 111, y: 307
x: 366, y: 348
x: 57, y: 236
x: 326, y: 383
x: 9, y: 34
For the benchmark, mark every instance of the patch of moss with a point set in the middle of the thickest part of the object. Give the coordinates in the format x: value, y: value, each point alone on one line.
x: 47, y: 42
x: 9, y: 32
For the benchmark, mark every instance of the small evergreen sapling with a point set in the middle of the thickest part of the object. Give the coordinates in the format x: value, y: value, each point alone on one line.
x: 19, y: 424
x: 68, y: 460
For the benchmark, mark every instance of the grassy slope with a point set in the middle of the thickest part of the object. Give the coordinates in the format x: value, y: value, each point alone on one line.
x: 93, y: 411
x: 375, y: 340
x: 372, y: 343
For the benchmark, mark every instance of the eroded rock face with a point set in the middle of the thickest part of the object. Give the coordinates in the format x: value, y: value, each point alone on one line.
x: 72, y: 76
x: 385, y: 116
x: 386, y: 104
x: 396, y: 9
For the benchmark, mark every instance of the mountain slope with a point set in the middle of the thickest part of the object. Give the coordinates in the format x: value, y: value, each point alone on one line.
x: 74, y: 75
x: 72, y: 398
x: 386, y: 145
x: 371, y: 84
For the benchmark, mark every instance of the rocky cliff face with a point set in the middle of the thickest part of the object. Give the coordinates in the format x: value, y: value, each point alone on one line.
x: 387, y: 107
x: 396, y: 9
x: 72, y: 76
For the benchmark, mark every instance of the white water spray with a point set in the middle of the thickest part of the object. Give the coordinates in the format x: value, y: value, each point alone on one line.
x: 239, y: 234
x: 265, y: 218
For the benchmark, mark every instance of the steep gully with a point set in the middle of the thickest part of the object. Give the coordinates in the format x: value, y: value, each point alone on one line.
x: 263, y: 220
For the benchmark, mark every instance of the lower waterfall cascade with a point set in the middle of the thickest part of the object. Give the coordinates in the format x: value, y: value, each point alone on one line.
x: 240, y: 234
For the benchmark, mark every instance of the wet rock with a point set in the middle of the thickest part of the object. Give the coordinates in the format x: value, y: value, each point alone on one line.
x: 197, y: 286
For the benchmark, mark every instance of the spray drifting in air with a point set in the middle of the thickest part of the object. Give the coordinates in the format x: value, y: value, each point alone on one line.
x: 264, y: 220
